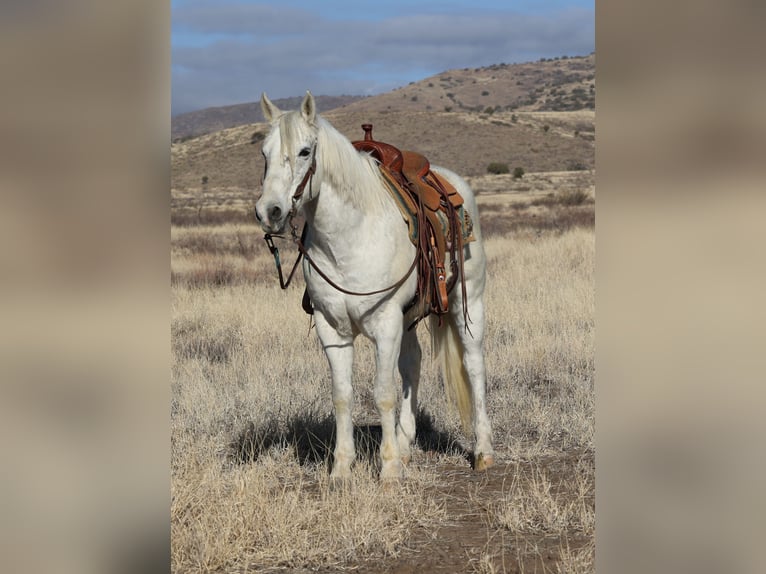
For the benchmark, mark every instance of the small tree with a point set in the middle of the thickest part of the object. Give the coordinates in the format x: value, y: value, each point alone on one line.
x: 518, y: 172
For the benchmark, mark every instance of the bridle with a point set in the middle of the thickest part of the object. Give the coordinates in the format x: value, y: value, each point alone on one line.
x: 308, y: 178
x: 302, y: 252
x: 268, y: 237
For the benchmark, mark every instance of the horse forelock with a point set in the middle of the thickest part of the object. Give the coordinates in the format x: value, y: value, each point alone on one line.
x: 292, y: 128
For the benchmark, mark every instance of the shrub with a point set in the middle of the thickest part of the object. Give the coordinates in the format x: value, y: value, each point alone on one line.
x: 518, y: 172
x: 256, y: 137
x: 573, y: 197
x: 497, y: 167
x: 576, y: 165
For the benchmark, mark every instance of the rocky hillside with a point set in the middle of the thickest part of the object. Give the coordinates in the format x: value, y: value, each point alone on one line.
x: 538, y: 116
x: 556, y: 84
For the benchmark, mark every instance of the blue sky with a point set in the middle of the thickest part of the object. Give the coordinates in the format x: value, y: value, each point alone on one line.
x: 229, y: 51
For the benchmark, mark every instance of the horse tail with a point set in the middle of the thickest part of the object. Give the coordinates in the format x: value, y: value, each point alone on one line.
x: 448, y: 350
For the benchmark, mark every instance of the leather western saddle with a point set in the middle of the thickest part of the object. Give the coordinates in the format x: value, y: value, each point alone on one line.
x: 438, y: 223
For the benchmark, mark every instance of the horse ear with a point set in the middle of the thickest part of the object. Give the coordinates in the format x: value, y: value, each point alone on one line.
x: 309, y: 108
x: 270, y: 111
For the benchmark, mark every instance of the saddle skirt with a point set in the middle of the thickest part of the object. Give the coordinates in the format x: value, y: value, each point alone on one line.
x: 436, y: 218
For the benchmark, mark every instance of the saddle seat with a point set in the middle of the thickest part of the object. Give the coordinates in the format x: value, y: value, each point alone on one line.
x: 433, y: 210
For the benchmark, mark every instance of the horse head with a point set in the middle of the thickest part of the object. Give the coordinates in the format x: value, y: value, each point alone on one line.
x: 289, y: 151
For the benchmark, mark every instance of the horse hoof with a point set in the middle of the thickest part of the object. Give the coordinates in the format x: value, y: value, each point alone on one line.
x: 392, y: 474
x: 484, y: 461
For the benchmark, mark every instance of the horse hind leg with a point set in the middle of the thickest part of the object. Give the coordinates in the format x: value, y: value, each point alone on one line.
x: 409, y: 368
x: 387, y: 339
x: 473, y: 361
x: 462, y: 357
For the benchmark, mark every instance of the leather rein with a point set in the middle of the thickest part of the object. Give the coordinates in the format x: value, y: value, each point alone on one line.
x: 302, y: 252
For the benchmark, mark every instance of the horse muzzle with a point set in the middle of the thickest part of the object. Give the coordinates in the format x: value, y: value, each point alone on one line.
x: 271, y: 217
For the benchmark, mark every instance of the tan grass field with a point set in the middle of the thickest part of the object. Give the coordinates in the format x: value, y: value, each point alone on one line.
x: 252, y: 425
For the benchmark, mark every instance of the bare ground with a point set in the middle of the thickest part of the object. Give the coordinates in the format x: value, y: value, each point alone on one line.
x: 472, y: 536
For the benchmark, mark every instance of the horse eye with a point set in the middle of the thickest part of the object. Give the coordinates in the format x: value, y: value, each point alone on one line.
x: 305, y: 152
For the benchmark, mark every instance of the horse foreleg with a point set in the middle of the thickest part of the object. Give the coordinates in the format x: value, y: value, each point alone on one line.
x: 340, y: 354
x: 409, y: 369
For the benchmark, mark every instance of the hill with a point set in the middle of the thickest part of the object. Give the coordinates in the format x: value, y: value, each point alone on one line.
x: 539, y: 116
x: 200, y: 122
x: 463, y: 141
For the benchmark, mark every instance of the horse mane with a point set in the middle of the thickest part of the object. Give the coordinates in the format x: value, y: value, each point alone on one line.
x: 354, y: 176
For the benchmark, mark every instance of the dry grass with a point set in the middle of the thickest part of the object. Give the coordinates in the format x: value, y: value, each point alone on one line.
x: 279, y: 513
x: 252, y: 426
x: 533, y: 502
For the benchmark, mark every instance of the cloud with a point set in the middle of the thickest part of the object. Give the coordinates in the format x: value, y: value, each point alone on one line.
x: 229, y: 53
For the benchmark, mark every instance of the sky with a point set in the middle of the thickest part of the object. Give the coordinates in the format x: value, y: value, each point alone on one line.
x: 230, y: 51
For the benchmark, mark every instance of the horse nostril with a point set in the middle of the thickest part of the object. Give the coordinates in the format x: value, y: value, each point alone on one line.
x: 275, y: 213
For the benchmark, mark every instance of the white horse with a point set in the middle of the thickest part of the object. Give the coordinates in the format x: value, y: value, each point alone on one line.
x: 356, y: 237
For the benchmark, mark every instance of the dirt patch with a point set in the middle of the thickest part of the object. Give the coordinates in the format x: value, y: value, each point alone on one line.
x: 471, y: 538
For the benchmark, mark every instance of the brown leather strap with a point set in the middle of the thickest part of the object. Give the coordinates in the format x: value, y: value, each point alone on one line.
x: 304, y: 253
x: 306, y: 179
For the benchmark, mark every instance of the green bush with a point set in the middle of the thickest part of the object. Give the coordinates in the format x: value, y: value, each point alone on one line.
x: 498, y: 167
x: 518, y: 172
